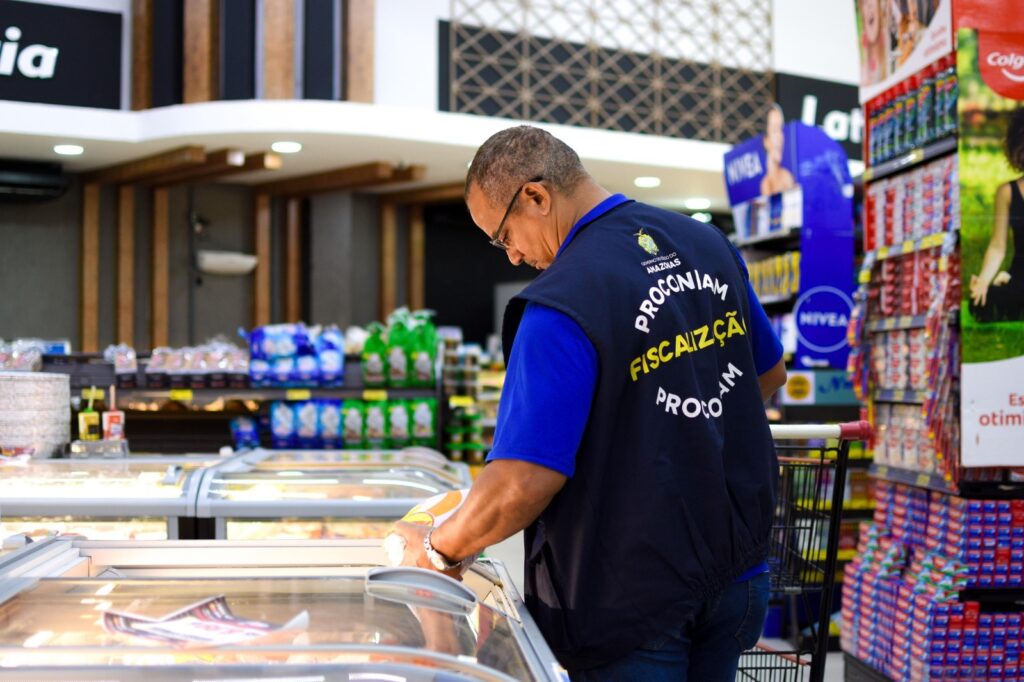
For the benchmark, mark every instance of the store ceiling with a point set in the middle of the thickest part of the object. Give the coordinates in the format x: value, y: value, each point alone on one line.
x: 337, y: 134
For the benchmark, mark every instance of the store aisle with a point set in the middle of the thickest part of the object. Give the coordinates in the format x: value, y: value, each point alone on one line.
x: 510, y: 552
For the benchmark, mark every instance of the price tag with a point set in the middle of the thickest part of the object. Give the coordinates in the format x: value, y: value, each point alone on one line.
x: 882, y: 471
x: 375, y: 395
x: 883, y: 252
x: 461, y: 401
x: 933, y: 240
x: 899, y: 395
x: 181, y: 394
x: 890, y: 324
x: 906, y: 321
x: 915, y: 156
x: 297, y: 394
x: 93, y: 394
x: 908, y: 247
x: 923, y: 479
x: 864, y: 277
x: 869, y: 174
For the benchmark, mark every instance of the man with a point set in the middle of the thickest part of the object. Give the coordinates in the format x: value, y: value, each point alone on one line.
x: 632, y: 443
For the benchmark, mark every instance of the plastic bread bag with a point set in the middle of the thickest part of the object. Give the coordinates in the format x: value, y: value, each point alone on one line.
x: 431, y: 512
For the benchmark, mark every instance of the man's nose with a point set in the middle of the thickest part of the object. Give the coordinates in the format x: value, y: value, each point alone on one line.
x: 514, y: 256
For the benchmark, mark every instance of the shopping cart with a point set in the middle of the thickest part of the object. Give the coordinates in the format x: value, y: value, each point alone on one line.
x: 804, y: 545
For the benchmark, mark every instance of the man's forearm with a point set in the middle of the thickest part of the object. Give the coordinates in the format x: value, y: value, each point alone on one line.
x: 507, y: 497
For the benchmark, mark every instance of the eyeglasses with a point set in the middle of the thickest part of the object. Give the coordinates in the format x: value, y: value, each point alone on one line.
x: 498, y: 239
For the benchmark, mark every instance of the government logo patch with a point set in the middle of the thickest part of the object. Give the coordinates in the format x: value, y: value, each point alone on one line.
x: 646, y: 242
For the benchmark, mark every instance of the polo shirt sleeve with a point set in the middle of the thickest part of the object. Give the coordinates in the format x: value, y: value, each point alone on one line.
x: 763, y: 340
x: 548, y: 391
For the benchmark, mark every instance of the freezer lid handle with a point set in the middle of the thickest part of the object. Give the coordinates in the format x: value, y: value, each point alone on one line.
x: 420, y: 587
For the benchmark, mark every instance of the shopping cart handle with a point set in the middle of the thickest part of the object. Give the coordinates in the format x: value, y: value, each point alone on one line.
x: 848, y: 431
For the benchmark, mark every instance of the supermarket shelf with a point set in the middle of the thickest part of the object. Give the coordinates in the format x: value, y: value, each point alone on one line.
x: 1012, y: 597
x: 826, y: 505
x: 900, y: 395
x: 918, y: 479
x: 901, y: 322
x: 841, y: 555
x: 204, y: 396
x: 856, y: 670
x: 911, y: 245
x: 780, y: 239
x: 911, y: 159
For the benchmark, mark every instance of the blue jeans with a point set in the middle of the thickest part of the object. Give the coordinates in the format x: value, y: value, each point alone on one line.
x: 705, y: 648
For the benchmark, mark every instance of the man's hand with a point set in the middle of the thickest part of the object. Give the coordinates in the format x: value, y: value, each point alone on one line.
x: 415, y: 554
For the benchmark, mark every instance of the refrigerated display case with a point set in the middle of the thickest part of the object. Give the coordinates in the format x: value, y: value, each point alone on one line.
x: 330, y: 610
x: 322, y: 494
x: 142, y: 498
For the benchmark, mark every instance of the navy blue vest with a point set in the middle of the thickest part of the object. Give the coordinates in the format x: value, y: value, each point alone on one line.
x: 674, y: 487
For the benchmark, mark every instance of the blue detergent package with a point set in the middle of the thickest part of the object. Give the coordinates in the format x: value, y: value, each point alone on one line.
x: 282, y: 425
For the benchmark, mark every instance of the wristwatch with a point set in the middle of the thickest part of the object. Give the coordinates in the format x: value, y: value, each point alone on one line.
x: 436, y: 559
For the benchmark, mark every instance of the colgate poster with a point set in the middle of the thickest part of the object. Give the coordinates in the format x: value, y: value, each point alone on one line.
x: 990, y: 69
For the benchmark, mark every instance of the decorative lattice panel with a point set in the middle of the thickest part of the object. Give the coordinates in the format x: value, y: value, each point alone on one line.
x: 698, y: 69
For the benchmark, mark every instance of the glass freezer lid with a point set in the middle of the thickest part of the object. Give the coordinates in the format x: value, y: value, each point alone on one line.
x: 102, y: 479
x: 355, y: 485
x: 77, y: 622
x: 312, y: 460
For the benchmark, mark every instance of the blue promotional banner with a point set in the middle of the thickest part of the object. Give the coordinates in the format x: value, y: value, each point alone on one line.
x: 796, y: 176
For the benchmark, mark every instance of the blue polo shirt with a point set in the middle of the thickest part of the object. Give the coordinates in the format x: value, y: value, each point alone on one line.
x: 552, y: 372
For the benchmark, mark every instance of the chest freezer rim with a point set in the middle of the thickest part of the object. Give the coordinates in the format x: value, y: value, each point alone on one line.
x: 126, y: 507
x: 208, y: 506
x: 61, y: 554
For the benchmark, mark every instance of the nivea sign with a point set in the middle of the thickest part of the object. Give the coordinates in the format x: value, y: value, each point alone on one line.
x: 822, y: 317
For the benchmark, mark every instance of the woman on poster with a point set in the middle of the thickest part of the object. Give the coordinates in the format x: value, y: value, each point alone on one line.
x: 998, y: 295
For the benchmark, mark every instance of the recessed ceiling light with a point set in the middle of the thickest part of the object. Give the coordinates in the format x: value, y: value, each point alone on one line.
x: 701, y: 216
x: 68, y: 149
x: 697, y: 204
x: 286, y: 147
x: 647, y: 181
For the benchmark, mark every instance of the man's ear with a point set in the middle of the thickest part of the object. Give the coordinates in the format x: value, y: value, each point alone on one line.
x: 538, y: 194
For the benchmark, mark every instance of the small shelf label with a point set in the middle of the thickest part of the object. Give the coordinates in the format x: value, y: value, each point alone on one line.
x: 93, y: 394
x: 298, y: 394
x: 375, y: 395
x: 461, y: 401
x: 923, y: 479
x: 181, y: 394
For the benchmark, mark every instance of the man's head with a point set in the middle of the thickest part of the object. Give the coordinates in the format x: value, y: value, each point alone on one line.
x: 520, y: 175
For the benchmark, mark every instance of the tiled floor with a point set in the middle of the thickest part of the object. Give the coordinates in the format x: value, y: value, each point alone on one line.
x: 510, y: 553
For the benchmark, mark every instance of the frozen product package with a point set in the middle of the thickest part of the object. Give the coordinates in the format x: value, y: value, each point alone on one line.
x: 330, y: 423
x: 431, y: 512
x: 282, y: 425
x: 353, y: 414
x: 399, y: 424
x: 424, y: 421
x: 399, y: 338
x: 307, y: 424
x: 376, y: 424
x: 330, y: 347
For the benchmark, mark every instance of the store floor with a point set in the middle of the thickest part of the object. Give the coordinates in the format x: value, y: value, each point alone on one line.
x: 510, y: 553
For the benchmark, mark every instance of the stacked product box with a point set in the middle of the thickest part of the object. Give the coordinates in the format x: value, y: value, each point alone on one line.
x: 912, y: 205
x: 776, y: 276
x: 353, y: 424
x: 903, y: 617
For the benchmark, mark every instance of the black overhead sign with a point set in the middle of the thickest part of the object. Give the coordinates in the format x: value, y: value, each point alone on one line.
x: 60, y: 55
x: 831, y: 106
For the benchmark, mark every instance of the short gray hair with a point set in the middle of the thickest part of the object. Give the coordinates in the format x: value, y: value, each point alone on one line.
x: 515, y: 155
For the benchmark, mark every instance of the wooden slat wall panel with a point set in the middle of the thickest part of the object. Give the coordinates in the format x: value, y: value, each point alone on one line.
x: 142, y: 54
x: 125, y: 324
x: 160, y: 287
x: 202, y: 51
x: 90, y: 270
x: 417, y: 257
x: 278, y: 49
x: 293, y: 261
x: 388, y: 256
x: 261, y: 285
x: 357, y: 39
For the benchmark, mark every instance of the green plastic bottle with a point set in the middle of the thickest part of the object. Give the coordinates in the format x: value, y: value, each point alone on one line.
x: 374, y: 361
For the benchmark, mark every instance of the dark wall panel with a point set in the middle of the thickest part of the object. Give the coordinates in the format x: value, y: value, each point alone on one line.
x: 238, y: 49
x: 168, y: 45
x: 321, y: 31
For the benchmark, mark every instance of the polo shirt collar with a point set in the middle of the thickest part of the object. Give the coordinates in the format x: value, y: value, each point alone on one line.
x: 592, y: 215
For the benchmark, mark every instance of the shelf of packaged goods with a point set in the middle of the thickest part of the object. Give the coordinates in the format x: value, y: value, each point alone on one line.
x: 826, y: 505
x: 918, y: 479
x: 910, y: 159
x: 929, y: 241
x: 203, y: 396
x: 900, y: 395
x: 901, y: 322
x: 772, y: 240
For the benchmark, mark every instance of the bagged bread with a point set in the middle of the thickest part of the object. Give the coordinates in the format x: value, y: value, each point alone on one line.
x: 431, y: 512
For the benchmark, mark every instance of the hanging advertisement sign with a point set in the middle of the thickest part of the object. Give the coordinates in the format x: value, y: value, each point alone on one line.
x: 796, y: 176
x: 990, y: 68
x: 898, y: 38
x: 54, y: 54
x: 831, y: 106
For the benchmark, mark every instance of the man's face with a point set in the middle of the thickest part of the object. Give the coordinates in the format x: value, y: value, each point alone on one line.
x: 526, y: 228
